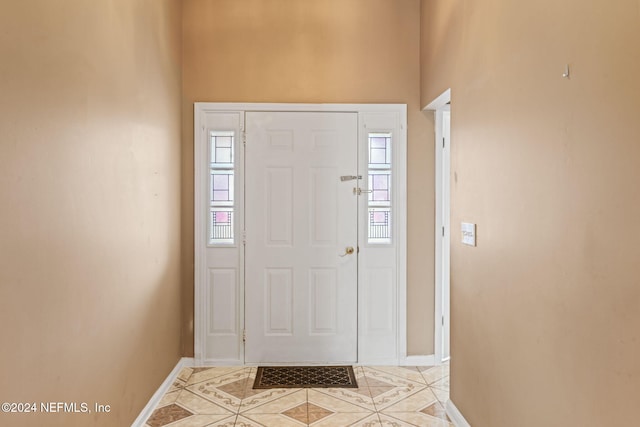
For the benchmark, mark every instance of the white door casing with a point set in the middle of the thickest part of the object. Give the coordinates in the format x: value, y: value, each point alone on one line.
x: 219, y: 320
x: 442, y: 119
x: 446, y: 236
x: 301, y: 284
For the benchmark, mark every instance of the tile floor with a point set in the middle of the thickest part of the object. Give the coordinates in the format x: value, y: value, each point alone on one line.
x: 387, y: 396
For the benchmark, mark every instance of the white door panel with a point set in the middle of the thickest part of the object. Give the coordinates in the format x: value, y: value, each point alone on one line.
x: 300, y: 293
x: 378, y: 269
x: 218, y: 299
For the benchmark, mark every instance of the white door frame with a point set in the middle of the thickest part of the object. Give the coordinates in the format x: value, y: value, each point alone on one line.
x: 438, y: 106
x: 367, y: 113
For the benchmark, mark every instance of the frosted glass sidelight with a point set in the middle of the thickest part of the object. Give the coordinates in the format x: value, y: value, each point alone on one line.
x: 221, y: 187
x: 379, y: 185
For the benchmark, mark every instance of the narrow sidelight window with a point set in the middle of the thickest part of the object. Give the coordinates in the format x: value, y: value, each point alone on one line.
x: 221, y: 188
x: 379, y: 175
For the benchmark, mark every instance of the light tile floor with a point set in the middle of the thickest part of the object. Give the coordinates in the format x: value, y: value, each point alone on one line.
x: 387, y: 396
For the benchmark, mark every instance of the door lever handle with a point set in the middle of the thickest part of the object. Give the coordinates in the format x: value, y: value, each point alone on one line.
x: 350, y: 177
x: 358, y: 191
x: 347, y: 251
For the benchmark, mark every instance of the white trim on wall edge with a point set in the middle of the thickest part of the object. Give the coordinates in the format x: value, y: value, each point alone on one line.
x: 440, y: 101
x: 455, y: 415
x: 438, y: 106
x: 426, y: 360
x: 157, y: 396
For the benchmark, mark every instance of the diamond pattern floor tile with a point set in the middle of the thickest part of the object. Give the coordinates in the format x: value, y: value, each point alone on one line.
x: 337, y: 404
x: 442, y: 384
x: 345, y: 419
x: 436, y: 410
x: 441, y: 395
x: 417, y: 419
x: 167, y: 414
x: 436, y: 373
x: 413, y: 403
x: 199, y: 405
x: 169, y: 397
x: 270, y: 420
x: 298, y: 413
x: 285, y: 402
x: 316, y: 413
x: 361, y: 397
x: 214, y: 375
x: 202, y: 421
x: 406, y: 372
x: 264, y: 397
x: 386, y: 396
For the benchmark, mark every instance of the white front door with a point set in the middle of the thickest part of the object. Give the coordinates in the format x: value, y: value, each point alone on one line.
x: 301, y: 237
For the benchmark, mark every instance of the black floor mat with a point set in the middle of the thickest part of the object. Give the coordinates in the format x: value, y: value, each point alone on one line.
x: 305, y: 377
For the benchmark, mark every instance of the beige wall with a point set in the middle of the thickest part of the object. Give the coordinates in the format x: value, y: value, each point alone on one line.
x: 89, y: 196
x: 357, y: 51
x: 545, y: 311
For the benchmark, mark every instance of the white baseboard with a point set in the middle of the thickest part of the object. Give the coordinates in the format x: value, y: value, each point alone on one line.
x: 157, y: 396
x: 427, y: 360
x: 455, y: 415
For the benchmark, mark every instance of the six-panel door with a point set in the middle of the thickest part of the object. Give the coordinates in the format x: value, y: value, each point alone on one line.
x: 300, y: 281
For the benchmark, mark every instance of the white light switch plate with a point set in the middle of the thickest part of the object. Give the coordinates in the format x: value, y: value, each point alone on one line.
x: 468, y: 234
